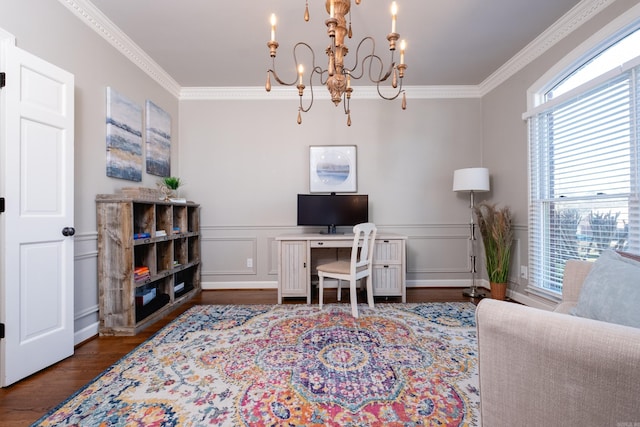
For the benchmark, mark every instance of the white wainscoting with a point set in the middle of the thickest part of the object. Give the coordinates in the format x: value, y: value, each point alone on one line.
x: 437, y: 255
x: 86, y: 309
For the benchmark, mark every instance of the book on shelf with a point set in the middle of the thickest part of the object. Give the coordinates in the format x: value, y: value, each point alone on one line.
x: 137, y: 236
x: 161, y: 233
x: 141, y: 273
x: 179, y: 287
x: 176, y: 230
x: 146, y: 296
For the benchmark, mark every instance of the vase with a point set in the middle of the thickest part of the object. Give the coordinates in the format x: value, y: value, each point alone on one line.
x: 166, y: 192
x: 498, y: 291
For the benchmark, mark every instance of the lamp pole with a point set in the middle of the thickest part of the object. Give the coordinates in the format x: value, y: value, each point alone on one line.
x: 473, y: 291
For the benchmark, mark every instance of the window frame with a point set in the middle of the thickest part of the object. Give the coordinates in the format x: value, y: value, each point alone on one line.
x: 537, y: 103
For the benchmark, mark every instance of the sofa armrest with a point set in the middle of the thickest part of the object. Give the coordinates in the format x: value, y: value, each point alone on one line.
x: 575, y: 271
x: 539, y: 368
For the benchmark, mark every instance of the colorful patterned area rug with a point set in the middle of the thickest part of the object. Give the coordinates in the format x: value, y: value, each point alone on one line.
x: 292, y: 365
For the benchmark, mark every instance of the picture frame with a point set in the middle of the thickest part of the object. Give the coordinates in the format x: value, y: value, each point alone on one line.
x: 124, y: 137
x: 333, y: 169
x: 158, y: 140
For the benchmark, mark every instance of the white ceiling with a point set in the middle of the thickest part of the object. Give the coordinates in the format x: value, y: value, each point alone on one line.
x: 209, y: 43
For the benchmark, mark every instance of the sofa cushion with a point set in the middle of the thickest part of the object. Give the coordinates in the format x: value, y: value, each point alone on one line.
x: 611, y: 291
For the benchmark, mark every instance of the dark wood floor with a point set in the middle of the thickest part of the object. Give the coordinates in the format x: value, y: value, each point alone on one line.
x: 26, y: 401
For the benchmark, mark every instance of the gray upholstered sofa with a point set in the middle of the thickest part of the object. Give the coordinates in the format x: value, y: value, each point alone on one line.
x: 542, y: 368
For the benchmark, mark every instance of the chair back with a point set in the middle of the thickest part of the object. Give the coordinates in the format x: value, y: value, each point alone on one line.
x: 364, y: 237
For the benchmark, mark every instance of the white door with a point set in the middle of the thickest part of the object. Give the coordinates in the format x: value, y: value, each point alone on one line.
x: 36, y: 181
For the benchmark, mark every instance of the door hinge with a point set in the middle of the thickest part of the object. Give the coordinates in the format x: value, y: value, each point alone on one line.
x: 1, y: 331
x: 1, y: 204
x: 3, y: 79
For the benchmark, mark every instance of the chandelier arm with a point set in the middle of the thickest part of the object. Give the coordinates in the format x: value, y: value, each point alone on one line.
x: 304, y: 110
x: 390, y: 98
x: 370, y: 57
x: 357, y: 58
x: 380, y: 78
x: 295, y: 60
x: 301, y: 108
x: 277, y: 78
x: 322, y: 73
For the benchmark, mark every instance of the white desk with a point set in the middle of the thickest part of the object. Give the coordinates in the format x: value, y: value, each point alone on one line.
x: 299, y: 254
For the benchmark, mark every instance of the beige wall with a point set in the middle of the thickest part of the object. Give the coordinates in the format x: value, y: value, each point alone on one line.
x: 47, y: 29
x: 245, y: 161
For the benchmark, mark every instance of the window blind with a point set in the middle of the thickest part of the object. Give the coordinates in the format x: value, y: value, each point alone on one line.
x: 583, y: 167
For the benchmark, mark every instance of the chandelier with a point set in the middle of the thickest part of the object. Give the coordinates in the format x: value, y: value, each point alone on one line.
x: 337, y: 76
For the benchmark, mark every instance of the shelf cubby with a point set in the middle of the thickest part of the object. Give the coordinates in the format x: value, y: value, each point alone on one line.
x: 164, y: 256
x: 180, y: 218
x: 143, y: 218
x: 186, y: 280
x: 194, y: 248
x: 158, y: 298
x: 145, y: 256
x: 193, y: 224
x: 180, y: 254
x: 164, y: 218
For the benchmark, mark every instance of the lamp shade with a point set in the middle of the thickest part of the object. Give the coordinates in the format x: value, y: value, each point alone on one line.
x: 471, y: 179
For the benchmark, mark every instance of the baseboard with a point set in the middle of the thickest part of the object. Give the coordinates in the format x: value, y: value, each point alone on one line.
x: 439, y: 283
x: 85, y: 333
x: 211, y: 286
x: 456, y: 283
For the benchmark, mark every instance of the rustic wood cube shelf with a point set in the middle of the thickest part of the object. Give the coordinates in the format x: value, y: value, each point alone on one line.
x: 148, y: 260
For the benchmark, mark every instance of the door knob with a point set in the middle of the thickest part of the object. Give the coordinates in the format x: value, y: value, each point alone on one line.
x: 68, y: 231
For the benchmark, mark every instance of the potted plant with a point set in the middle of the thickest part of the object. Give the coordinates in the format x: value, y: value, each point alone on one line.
x: 169, y: 185
x: 495, y: 226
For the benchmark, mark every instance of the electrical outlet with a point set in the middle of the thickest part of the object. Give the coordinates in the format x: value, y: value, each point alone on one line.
x: 524, y: 272
x: 249, y: 262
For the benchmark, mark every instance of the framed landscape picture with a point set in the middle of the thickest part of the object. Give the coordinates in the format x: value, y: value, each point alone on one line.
x: 158, y: 141
x: 332, y: 169
x: 124, y: 137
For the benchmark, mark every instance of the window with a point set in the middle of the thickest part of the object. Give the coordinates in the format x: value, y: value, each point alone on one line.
x: 583, y: 164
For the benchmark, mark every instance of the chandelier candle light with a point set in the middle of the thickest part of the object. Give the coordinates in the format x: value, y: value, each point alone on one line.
x: 337, y: 77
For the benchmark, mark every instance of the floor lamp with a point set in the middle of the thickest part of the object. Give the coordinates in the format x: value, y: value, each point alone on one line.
x: 472, y: 180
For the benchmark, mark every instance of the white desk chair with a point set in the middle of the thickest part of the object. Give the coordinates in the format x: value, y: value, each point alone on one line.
x: 358, y: 268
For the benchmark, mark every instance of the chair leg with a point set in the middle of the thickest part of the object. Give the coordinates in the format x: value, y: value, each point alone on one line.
x: 320, y: 290
x: 369, y: 290
x: 354, y: 298
x: 339, y: 289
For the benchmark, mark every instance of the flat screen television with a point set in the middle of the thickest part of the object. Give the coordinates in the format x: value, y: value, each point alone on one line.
x: 332, y: 210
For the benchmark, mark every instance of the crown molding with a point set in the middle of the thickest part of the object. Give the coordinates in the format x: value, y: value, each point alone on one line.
x: 258, y: 93
x: 88, y: 13
x: 572, y: 20
x: 95, y: 19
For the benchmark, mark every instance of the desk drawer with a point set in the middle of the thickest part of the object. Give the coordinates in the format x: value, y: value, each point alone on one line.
x: 387, y: 280
x: 331, y: 243
x: 388, y: 252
